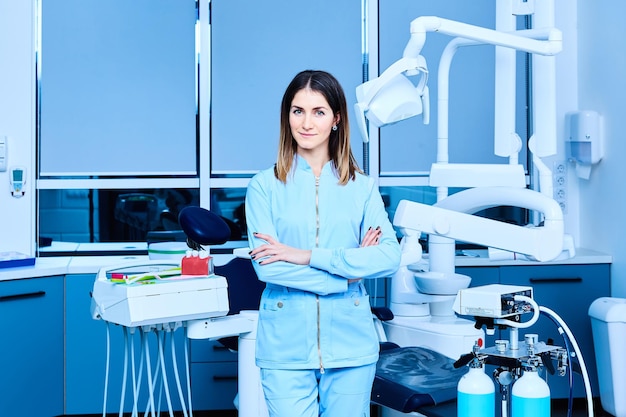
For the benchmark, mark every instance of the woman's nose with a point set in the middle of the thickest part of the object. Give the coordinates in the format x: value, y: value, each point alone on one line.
x: 307, y: 122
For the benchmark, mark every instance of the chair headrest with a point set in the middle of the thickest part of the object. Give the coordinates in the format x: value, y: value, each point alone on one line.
x: 202, y: 226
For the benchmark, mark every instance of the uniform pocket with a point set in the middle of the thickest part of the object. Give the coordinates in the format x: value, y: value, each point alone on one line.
x: 352, y: 332
x: 283, y: 331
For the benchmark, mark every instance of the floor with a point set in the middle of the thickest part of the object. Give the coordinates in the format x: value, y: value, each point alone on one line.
x: 580, y: 409
x: 559, y: 409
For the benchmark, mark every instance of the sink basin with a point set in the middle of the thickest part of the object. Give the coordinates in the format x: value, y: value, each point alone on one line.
x: 441, y: 283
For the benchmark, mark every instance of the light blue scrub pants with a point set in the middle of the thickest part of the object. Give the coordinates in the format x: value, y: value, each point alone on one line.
x: 341, y: 392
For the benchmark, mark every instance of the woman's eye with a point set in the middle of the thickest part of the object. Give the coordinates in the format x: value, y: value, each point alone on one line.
x: 320, y: 113
x: 297, y: 111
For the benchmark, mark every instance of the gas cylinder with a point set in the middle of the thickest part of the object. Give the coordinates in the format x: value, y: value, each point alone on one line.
x: 530, y: 396
x: 476, y: 393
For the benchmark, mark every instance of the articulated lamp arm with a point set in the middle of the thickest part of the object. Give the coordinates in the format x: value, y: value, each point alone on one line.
x: 423, y: 24
x: 384, y: 100
x: 449, y: 218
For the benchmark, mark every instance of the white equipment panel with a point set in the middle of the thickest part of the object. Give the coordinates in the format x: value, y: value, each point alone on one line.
x: 169, y: 299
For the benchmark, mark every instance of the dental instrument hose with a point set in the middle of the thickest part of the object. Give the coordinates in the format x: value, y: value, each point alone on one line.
x: 581, y: 360
x: 570, y: 374
x: 136, y: 379
x: 525, y: 324
x: 153, y: 379
x: 106, y: 372
x: 125, y: 372
x: 187, y: 371
x: 149, y: 374
x: 137, y: 382
x: 132, y: 370
x: 563, y: 327
x: 176, y: 374
x: 161, y: 336
x: 152, y: 383
x: 152, y: 406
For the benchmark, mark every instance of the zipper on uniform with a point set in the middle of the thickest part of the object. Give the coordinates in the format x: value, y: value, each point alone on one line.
x: 319, y: 345
x: 317, y: 297
x: 317, y: 212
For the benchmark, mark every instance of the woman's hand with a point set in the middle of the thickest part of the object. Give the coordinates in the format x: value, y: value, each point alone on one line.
x: 371, y: 238
x: 274, y: 251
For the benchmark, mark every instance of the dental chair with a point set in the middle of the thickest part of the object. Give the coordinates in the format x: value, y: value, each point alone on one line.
x: 203, y: 228
x: 407, y: 379
x: 414, y: 378
x: 244, y: 291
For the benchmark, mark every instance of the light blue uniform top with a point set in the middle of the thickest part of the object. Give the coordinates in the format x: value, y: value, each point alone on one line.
x: 309, y: 316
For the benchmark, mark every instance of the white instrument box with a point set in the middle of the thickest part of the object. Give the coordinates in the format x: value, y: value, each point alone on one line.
x: 173, y: 298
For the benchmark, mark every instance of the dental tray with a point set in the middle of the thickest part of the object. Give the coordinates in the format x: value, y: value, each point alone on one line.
x: 147, y: 293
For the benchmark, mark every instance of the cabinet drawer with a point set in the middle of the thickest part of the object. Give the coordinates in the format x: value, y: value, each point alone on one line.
x: 595, y: 274
x: 31, y: 347
x: 566, y: 289
x: 210, y: 351
x: 214, y: 385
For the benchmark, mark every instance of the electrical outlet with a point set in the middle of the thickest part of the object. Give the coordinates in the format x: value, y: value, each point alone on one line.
x: 3, y: 153
x: 560, y: 184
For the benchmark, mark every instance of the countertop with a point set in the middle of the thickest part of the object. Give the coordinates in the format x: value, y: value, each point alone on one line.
x: 481, y: 258
x: 80, y: 264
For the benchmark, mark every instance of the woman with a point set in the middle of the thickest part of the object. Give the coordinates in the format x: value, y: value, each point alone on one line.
x: 317, y: 227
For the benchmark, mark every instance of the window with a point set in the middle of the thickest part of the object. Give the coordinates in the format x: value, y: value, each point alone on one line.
x: 197, y: 104
x: 118, y: 110
x: 130, y: 215
x: 122, y: 202
x: 117, y: 89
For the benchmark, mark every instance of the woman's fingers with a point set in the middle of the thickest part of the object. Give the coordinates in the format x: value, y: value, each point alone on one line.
x: 274, y: 251
x: 268, y: 238
x: 371, y: 237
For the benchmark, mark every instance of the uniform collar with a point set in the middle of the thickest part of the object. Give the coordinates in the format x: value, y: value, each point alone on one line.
x: 302, y: 164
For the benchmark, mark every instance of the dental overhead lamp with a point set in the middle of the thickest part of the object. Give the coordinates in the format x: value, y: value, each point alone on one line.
x: 426, y: 314
x: 392, y: 97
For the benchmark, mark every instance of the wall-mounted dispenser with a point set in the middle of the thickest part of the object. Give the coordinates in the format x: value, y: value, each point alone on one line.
x: 584, y: 140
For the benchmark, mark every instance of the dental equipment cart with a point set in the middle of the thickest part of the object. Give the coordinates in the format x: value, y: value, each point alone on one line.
x: 152, y: 299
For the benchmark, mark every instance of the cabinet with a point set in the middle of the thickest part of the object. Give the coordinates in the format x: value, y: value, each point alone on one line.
x: 85, y: 340
x: 213, y: 375
x: 31, y: 347
x: 86, y: 354
x: 481, y: 275
x: 568, y: 290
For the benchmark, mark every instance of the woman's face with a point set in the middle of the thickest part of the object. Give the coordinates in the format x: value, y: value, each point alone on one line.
x: 311, y: 120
